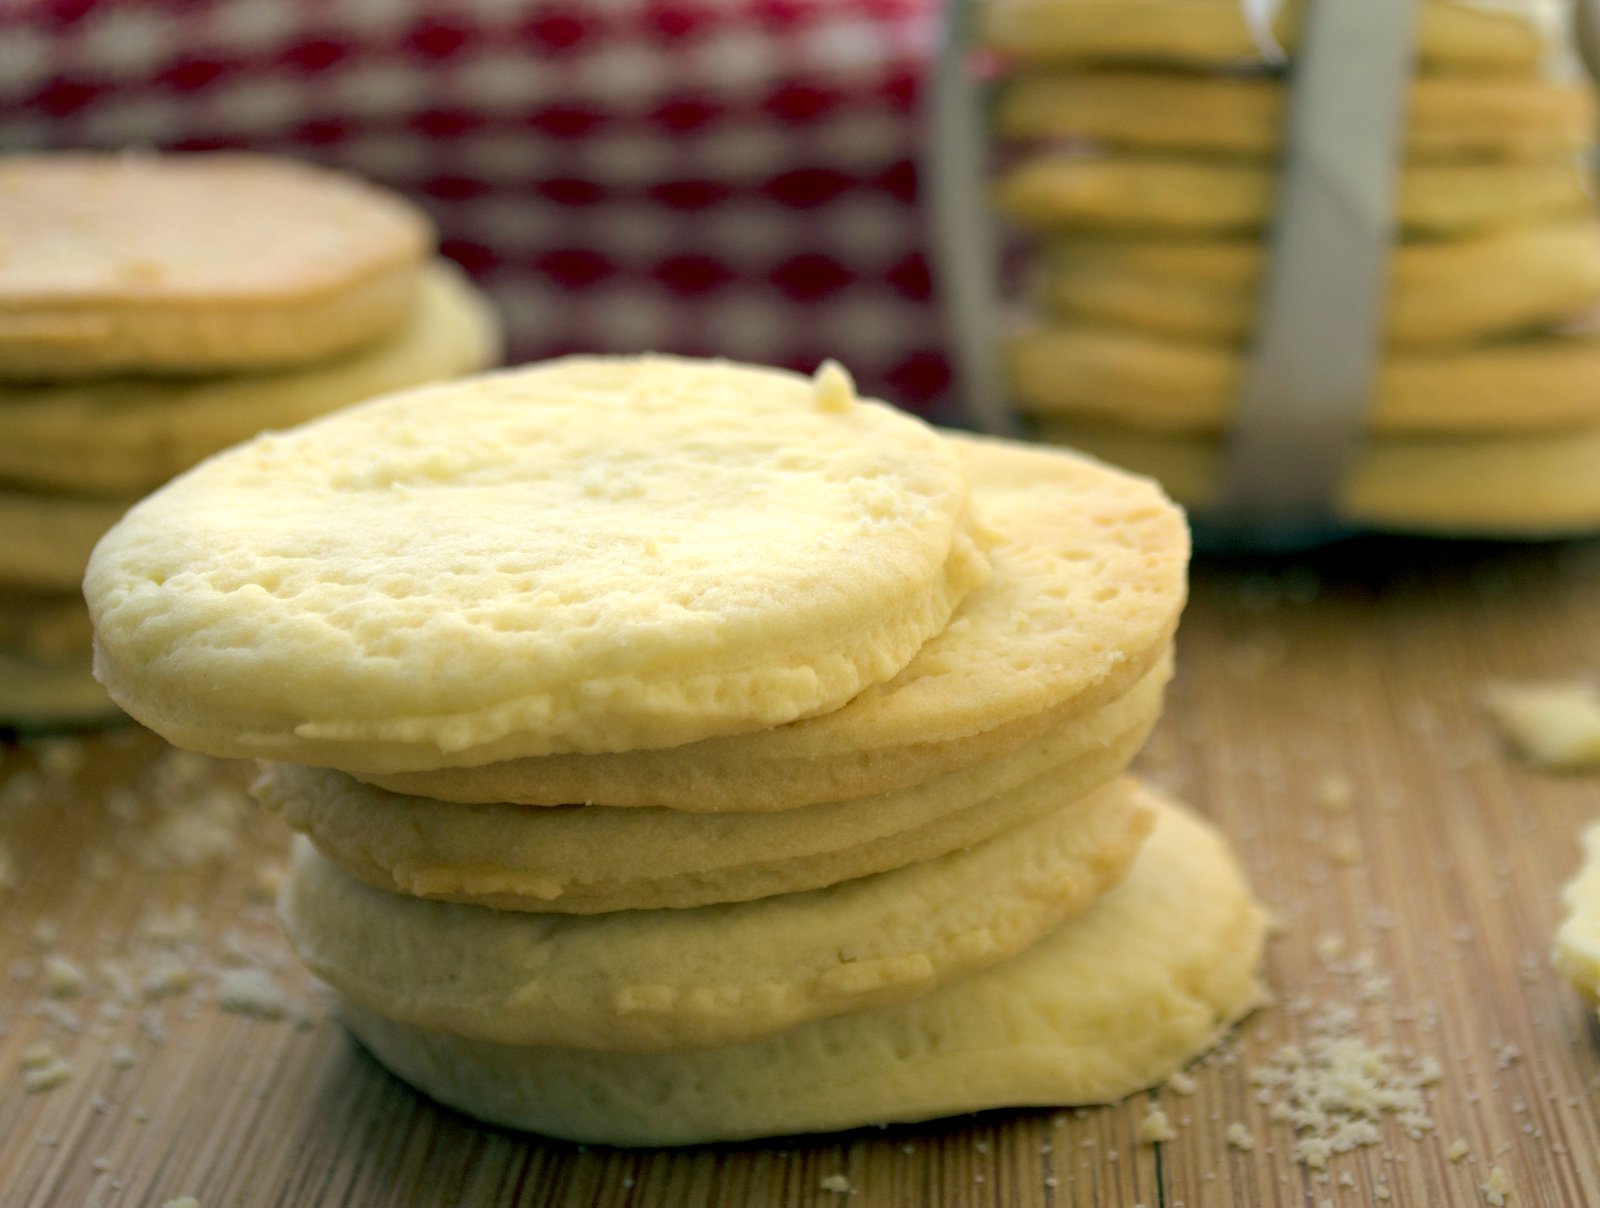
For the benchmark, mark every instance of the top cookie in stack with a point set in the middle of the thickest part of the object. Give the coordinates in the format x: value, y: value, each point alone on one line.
x: 155, y: 309
x: 1155, y: 134
x: 673, y: 725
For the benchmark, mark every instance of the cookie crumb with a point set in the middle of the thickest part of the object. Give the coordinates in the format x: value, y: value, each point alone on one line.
x: 167, y: 976
x: 1345, y: 850
x: 63, y: 977
x: 265, y: 882
x: 44, y: 1077
x: 1334, y: 793
x: 1458, y: 1149
x: 836, y: 1183
x: 36, y: 1055
x: 1240, y: 1137
x: 251, y: 992
x: 832, y: 388
x: 1498, y: 1189
x: 1181, y: 1084
x: 1155, y: 1128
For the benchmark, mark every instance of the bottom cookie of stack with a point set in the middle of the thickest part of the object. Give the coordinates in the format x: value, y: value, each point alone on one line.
x: 1112, y: 1000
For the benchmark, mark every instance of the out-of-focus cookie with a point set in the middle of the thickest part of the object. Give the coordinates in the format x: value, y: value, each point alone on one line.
x: 1176, y: 195
x: 581, y: 556
x: 1578, y: 937
x: 1438, y: 294
x: 1450, y: 36
x: 38, y: 693
x: 1146, y: 381
x: 1447, y: 117
x: 653, y: 980
x: 1526, y: 487
x: 128, y: 435
x: 134, y: 262
x: 1111, y: 1002
x: 49, y: 537
x: 599, y: 858
x: 45, y: 624
x: 1089, y: 578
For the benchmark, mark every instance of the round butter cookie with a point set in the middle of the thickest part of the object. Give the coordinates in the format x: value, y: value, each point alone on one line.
x: 135, y: 262
x: 1438, y: 294
x: 653, y: 980
x: 594, y: 859
x: 129, y: 435
x: 587, y: 555
x: 1447, y: 117
x: 1503, y: 487
x: 1548, y: 381
x: 1177, y: 195
x: 1109, y: 1003
x: 1089, y: 577
x: 1451, y: 35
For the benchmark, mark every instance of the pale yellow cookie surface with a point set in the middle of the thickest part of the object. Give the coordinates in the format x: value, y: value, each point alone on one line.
x: 1509, y: 487
x: 598, y: 858
x: 152, y: 263
x: 656, y: 980
x: 1578, y: 937
x: 586, y: 555
x: 1089, y: 577
x: 1173, y: 195
x: 1439, y: 294
x: 1501, y: 389
x: 1109, y: 1003
x: 128, y: 435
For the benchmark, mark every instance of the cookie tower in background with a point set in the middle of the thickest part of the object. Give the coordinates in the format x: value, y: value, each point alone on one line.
x: 156, y: 309
x: 690, y: 751
x: 1149, y: 140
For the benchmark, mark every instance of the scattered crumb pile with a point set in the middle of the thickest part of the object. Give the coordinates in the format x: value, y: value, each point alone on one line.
x: 109, y: 1002
x: 1335, y: 1089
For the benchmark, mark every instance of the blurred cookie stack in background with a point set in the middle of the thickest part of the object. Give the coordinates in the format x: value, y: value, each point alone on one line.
x: 1149, y: 139
x: 155, y: 309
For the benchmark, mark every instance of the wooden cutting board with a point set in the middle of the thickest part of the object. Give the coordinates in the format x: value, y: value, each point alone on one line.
x: 1416, y: 908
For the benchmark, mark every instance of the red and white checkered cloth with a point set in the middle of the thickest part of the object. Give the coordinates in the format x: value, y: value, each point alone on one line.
x: 733, y: 177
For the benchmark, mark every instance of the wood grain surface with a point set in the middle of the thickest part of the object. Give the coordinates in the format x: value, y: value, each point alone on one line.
x: 1417, y: 915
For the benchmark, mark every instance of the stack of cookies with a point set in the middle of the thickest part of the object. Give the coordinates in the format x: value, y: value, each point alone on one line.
x: 1151, y: 134
x: 688, y: 751
x: 156, y: 309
